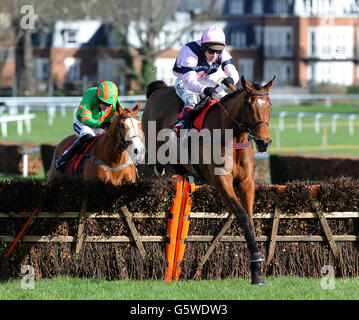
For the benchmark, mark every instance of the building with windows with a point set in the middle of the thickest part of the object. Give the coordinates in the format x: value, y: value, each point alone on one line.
x: 301, y: 42
x: 77, y: 51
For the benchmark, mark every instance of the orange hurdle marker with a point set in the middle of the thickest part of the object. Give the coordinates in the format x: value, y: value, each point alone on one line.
x: 178, y: 225
x: 172, y: 226
x: 183, y: 227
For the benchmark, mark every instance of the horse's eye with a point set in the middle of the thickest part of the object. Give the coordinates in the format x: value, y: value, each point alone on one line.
x: 122, y: 126
x: 250, y: 108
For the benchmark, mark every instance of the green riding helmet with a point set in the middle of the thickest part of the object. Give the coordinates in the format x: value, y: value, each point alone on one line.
x: 107, y: 92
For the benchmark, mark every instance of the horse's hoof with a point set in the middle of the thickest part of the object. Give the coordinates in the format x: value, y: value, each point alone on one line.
x: 257, y: 257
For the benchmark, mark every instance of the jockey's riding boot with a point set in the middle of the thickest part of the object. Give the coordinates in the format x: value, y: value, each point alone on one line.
x: 183, y: 124
x: 68, y: 154
x: 185, y: 129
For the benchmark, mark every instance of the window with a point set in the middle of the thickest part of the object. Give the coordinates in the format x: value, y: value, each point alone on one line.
x: 109, y: 69
x: 283, y: 70
x: 42, y: 68
x: 278, y: 41
x: 238, y: 39
x: 257, y: 7
x: 312, y: 43
x: 258, y: 33
x: 288, y: 42
x: 236, y: 6
x: 246, y: 68
x: 288, y: 73
x: 72, y: 66
x: 281, y: 6
x: 69, y: 36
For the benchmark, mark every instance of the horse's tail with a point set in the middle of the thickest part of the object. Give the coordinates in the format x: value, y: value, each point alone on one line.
x: 153, y: 86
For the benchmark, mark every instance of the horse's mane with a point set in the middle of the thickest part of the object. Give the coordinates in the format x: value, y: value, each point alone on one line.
x: 255, y: 84
x: 231, y: 94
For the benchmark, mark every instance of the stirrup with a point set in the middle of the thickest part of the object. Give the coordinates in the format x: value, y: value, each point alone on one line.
x: 179, y: 124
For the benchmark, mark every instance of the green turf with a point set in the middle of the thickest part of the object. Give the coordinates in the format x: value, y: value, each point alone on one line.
x: 279, y: 288
x: 288, y: 141
x: 343, y: 107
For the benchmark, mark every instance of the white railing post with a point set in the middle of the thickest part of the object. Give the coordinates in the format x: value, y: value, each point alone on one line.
x: 51, y: 111
x: 351, y: 124
x: 328, y: 102
x: 3, y: 128
x: 25, y: 160
x: 300, y: 115
x: 19, y: 127
x: 282, y: 114
x: 334, y: 123
x: 317, y: 122
x: 25, y: 165
x: 63, y: 110
x: 27, y: 121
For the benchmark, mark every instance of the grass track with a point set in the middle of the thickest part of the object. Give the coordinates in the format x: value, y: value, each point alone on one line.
x: 281, y: 288
x: 288, y: 140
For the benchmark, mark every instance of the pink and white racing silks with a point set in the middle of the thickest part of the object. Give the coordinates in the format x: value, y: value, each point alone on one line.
x: 191, y: 67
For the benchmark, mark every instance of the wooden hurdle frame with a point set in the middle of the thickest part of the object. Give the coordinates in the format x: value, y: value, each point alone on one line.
x: 82, y: 215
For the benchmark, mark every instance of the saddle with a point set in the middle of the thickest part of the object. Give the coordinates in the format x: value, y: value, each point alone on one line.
x: 196, y: 116
x: 75, y: 166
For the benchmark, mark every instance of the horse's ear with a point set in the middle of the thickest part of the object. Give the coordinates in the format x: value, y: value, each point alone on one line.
x: 245, y: 84
x: 118, y: 107
x: 137, y: 108
x: 269, y: 85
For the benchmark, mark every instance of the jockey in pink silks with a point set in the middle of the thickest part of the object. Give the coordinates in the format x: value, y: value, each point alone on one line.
x: 197, y: 66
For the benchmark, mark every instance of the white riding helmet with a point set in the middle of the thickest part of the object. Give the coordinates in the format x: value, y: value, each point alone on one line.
x: 214, y: 38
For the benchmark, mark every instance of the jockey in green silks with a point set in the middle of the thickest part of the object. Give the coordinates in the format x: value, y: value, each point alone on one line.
x: 96, y: 110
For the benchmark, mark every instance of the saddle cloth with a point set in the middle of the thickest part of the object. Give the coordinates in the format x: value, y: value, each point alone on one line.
x: 198, y: 118
x: 75, y: 166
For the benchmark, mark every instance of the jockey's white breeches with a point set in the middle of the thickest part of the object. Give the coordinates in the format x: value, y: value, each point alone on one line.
x: 81, y: 129
x: 191, y: 98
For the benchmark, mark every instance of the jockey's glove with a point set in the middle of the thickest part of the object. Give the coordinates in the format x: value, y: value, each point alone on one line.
x: 227, y: 81
x: 105, y: 124
x: 209, y: 91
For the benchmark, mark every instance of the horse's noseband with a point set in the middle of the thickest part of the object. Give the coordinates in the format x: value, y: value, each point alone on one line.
x: 123, y: 143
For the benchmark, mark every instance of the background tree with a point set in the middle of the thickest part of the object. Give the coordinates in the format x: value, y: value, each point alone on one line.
x: 149, y: 16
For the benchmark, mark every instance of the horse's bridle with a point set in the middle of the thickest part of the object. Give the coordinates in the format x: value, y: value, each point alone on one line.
x: 123, y: 143
x: 248, y: 127
x: 244, y: 126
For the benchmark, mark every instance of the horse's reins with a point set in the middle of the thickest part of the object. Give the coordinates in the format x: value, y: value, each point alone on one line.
x: 123, y: 145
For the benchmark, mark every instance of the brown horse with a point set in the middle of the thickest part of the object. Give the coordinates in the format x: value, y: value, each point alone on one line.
x: 115, y: 153
x: 246, y: 113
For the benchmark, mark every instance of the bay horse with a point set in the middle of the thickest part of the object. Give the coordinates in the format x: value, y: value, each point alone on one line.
x: 114, y: 154
x: 246, y: 113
